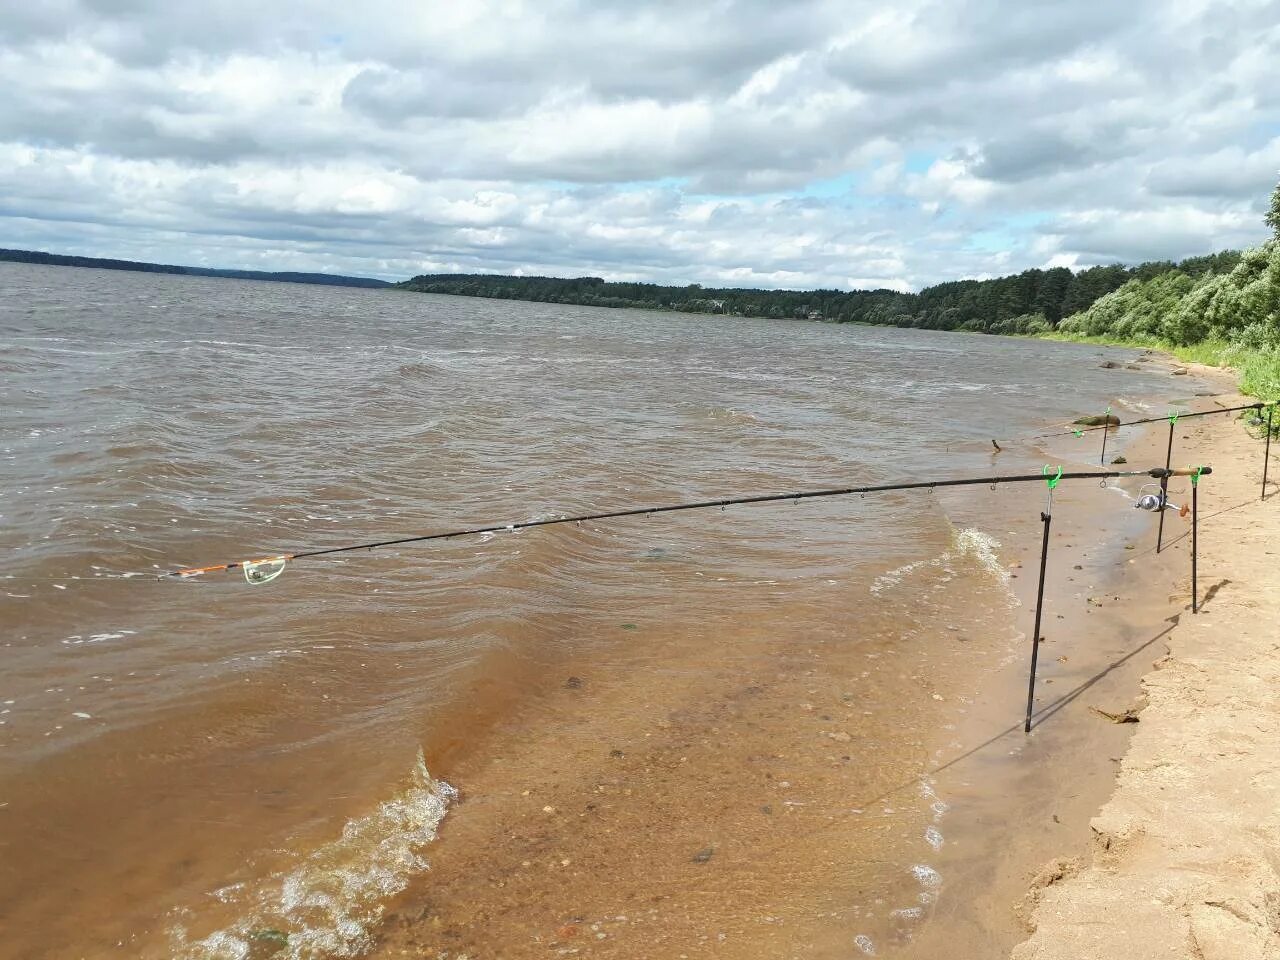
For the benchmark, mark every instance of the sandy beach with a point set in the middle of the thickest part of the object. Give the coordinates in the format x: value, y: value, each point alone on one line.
x: 652, y: 859
x: 1181, y: 859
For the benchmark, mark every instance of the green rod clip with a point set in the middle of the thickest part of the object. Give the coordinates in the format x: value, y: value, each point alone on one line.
x: 1051, y: 482
x: 1195, y: 477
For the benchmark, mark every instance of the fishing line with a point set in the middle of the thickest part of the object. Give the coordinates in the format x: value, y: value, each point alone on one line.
x: 265, y: 569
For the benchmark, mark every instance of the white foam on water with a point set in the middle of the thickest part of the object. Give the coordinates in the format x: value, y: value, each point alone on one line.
x: 893, y: 577
x: 933, y: 837
x: 967, y: 544
x: 328, y: 905
x: 926, y: 875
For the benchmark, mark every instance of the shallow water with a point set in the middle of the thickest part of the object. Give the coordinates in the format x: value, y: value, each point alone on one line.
x: 214, y: 769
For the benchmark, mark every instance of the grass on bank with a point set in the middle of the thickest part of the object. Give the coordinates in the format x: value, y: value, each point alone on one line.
x: 1257, y: 368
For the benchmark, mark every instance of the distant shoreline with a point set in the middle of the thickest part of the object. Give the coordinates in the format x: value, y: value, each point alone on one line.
x: 138, y: 266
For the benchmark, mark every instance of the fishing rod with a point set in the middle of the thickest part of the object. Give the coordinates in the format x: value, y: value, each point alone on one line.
x: 1079, y: 431
x: 268, y: 568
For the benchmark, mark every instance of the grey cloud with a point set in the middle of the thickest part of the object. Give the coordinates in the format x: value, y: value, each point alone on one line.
x: 1227, y: 174
x: 941, y: 42
x: 1021, y: 157
x: 394, y: 96
x: 1123, y: 237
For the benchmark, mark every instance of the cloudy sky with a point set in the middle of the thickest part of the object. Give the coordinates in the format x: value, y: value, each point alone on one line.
x: 746, y: 142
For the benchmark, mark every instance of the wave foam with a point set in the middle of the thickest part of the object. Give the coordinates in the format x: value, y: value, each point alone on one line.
x: 969, y: 543
x: 328, y: 904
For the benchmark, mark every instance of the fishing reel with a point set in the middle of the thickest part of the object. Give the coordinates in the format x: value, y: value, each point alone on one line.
x: 1157, y: 500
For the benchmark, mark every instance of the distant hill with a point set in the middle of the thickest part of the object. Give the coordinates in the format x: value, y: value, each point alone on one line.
x: 58, y: 260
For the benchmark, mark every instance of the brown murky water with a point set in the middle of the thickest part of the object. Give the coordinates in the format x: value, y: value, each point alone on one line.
x: 717, y: 724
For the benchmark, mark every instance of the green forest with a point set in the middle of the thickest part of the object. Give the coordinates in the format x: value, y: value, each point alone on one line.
x: 1034, y: 301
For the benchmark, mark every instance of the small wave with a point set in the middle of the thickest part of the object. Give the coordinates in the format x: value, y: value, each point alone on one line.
x: 328, y: 904
x: 726, y: 415
x: 969, y: 543
x: 415, y: 370
x: 893, y: 577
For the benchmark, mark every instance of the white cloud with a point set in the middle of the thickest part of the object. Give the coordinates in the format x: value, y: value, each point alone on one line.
x: 742, y: 141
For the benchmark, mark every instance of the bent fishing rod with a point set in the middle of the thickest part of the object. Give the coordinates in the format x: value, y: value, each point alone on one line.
x: 265, y: 569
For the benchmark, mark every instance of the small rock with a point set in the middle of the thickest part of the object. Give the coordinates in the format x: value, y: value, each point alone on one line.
x: 617, y: 754
x: 702, y: 856
x: 548, y: 809
x: 574, y: 683
x: 1119, y: 460
x: 1180, y: 372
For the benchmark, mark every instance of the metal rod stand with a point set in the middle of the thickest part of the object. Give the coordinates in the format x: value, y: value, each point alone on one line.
x: 1035, y: 633
x: 1164, y: 491
x: 1194, y: 584
x: 1266, y: 457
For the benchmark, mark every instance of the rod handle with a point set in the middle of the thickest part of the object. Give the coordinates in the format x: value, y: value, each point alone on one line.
x: 1160, y: 472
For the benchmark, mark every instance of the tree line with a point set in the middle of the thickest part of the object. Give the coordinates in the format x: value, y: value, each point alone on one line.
x: 1032, y: 301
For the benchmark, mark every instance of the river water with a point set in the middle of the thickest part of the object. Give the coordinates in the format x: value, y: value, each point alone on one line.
x: 213, y: 769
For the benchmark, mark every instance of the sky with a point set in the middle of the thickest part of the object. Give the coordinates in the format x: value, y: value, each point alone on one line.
x: 733, y: 143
